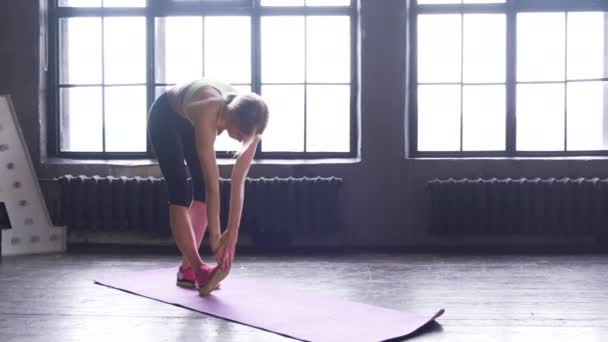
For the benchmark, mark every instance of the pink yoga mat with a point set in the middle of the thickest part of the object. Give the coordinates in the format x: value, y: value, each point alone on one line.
x: 304, y: 315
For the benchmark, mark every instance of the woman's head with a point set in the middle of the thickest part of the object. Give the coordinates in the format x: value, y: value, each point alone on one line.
x: 248, y: 117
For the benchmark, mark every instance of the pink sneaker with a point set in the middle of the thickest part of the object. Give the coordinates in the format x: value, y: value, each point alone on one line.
x: 208, y: 279
x: 186, y: 278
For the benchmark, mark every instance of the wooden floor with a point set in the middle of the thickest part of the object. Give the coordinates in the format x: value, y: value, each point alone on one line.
x: 487, y: 298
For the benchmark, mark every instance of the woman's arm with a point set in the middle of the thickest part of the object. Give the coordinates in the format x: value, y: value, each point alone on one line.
x: 203, y: 114
x: 237, y: 186
x: 225, y: 252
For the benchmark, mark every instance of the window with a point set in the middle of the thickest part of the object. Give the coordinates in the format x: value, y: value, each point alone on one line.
x: 508, y: 78
x: 112, y: 58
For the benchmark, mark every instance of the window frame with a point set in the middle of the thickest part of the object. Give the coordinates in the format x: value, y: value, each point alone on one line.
x: 510, y: 8
x: 163, y: 8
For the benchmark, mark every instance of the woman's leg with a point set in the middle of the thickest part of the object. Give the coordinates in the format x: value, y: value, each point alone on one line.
x: 184, y: 236
x: 198, y: 220
x: 198, y: 208
x: 163, y: 127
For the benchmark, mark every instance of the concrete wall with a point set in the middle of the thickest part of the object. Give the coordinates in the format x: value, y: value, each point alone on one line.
x: 384, y: 202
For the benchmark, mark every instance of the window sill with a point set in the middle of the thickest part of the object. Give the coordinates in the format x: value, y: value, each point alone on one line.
x: 114, y: 162
x: 536, y: 158
x: 152, y: 162
x: 307, y: 161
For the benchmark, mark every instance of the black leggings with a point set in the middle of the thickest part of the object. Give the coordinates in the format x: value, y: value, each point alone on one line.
x: 173, y: 141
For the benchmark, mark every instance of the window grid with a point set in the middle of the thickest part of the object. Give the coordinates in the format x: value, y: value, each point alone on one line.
x: 155, y: 9
x: 510, y: 8
x: 103, y: 86
x: 461, y: 79
x: 305, y: 83
x: 565, y: 83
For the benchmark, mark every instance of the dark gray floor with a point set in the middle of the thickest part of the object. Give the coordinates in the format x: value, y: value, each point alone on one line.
x: 487, y: 298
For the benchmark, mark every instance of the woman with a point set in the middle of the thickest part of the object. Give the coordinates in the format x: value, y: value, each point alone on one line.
x: 182, y: 124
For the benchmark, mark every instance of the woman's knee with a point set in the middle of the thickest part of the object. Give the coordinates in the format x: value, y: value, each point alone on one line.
x: 178, y: 213
x: 199, y: 207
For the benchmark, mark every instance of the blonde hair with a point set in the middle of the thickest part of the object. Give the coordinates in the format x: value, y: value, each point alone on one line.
x: 250, y: 117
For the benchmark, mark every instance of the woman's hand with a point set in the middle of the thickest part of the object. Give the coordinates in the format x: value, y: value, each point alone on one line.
x: 225, y: 252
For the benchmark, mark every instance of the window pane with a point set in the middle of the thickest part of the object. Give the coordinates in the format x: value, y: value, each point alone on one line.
x: 124, y: 3
x: 179, y: 49
x: 283, y: 49
x: 432, y: 2
x: 282, y: 2
x: 328, y: 49
x: 125, y: 50
x: 222, y: 142
x: 484, y: 46
x: 328, y: 2
x: 484, y: 115
x: 328, y: 118
x: 80, y: 50
x: 439, y: 118
x: 541, y: 46
x: 242, y: 88
x: 211, y: 2
x: 540, y: 117
x: 439, y: 44
x: 81, y: 119
x: 79, y: 3
x: 228, y: 48
x: 588, y: 116
x: 308, y: 2
x: 587, y: 45
x: 441, y: 2
x: 125, y: 110
x: 98, y: 3
x: 285, y: 131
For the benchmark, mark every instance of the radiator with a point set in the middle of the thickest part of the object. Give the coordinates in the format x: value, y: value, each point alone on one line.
x: 519, y: 206
x: 118, y: 204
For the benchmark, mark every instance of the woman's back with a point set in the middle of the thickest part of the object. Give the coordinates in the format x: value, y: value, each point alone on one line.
x: 184, y: 94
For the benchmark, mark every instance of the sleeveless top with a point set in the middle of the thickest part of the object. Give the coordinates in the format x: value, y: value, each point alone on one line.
x: 186, y: 92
